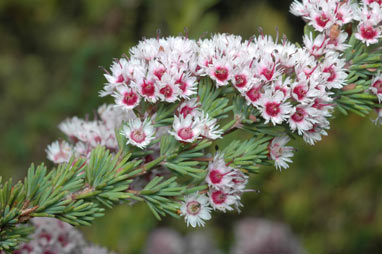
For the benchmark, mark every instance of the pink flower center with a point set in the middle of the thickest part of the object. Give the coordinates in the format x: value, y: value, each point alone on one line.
x: 130, y: 98
x: 300, y: 92
x: 272, y: 108
x: 268, y: 73
x: 314, y: 129
x: 63, y: 240
x: 138, y: 136
x: 61, y: 155
x: 182, y: 85
x: 186, y: 110
x: 44, y: 238
x: 378, y: 85
x: 332, y: 73
x: 120, y: 79
x: 218, y: 197
x: 97, y: 139
x: 368, y: 32
x: 221, y: 73
x: 254, y: 94
x: 159, y: 73
x: 299, y: 115
x: 215, y: 176
x: 166, y: 91
x: 185, y: 133
x: 193, y: 207
x: 277, y: 151
x: 241, y: 80
x: 340, y: 16
x: 322, y: 20
x: 148, y: 88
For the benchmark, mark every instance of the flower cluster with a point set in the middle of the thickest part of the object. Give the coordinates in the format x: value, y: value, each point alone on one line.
x: 286, y: 84
x: 226, y: 184
x: 329, y: 17
x: 85, y: 135
x: 192, y: 123
x: 52, y: 236
x: 171, y: 94
x: 158, y: 70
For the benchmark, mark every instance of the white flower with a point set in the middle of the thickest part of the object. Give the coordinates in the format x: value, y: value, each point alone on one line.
x: 316, y: 132
x: 223, y: 200
x: 195, y: 209
x: 221, y: 72
x: 187, y: 84
x: 59, y: 152
x: 333, y: 67
x: 280, y: 153
x: 368, y: 33
x: 186, y: 129
x: 147, y: 88
x: 139, y: 134
x: 338, y: 43
x: 126, y: 98
x: 322, y: 15
x: 71, y: 127
x: 219, y: 174
x: 239, y: 180
x: 190, y: 107
x: 52, y: 236
x: 316, y: 46
x: 274, y: 108
x: 209, y: 128
x: 168, y: 90
x: 113, y: 117
x: 302, y: 119
x: 266, y: 68
x: 117, y: 77
x: 254, y: 95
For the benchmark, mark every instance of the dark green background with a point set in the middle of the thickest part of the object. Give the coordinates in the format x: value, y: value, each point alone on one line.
x: 49, y: 56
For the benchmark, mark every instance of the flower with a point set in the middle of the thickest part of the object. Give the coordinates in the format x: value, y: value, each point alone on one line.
x: 59, y: 152
x: 168, y: 90
x: 314, y: 134
x: 316, y: 46
x: 209, y: 128
x: 52, y: 236
x: 223, y: 200
x: 189, y: 107
x: 117, y: 77
x: 186, y: 129
x: 274, y: 108
x: 219, y: 173
x: 367, y: 33
x: 139, y: 134
x: 302, y: 119
x: 280, y: 153
x: 71, y: 127
x: 195, y: 209
x: 126, y: 97
x: 333, y: 67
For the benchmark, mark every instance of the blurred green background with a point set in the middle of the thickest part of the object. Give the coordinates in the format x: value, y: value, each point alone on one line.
x: 50, y: 52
